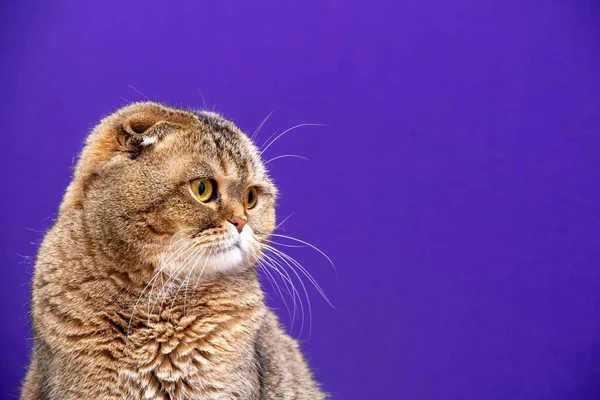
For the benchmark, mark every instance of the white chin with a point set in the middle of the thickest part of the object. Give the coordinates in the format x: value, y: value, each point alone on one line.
x: 198, y: 267
x: 221, y: 262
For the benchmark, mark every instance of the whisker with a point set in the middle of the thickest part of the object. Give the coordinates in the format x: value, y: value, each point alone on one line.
x: 305, y: 293
x: 283, y: 222
x: 287, y: 245
x: 275, y: 286
x: 196, y: 258
x: 269, y: 277
x: 156, y: 275
x: 153, y: 279
x: 175, y: 274
x: 182, y: 253
x: 195, y: 281
x: 168, y: 257
x: 257, y: 130
x: 293, y: 293
x: 309, y: 245
x: 204, y: 267
x: 287, y: 156
x: 270, y: 263
x: 178, y: 253
x: 138, y: 92
x: 203, y: 100
x: 269, y: 144
x: 303, y: 270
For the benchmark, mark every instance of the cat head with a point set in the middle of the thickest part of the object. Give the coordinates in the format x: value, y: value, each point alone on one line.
x: 180, y: 190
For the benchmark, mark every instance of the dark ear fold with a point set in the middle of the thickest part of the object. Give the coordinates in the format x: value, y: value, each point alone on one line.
x: 143, y: 128
x: 128, y: 130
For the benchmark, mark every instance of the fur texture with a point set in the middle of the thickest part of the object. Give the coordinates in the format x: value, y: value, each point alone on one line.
x: 141, y: 291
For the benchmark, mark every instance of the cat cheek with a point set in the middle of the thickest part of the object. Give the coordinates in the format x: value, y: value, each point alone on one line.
x: 246, y: 240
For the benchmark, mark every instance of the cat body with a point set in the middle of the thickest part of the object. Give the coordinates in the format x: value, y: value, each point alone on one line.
x: 145, y: 287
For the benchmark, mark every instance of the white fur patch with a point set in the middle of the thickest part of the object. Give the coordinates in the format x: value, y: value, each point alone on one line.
x: 231, y: 253
x: 149, y: 140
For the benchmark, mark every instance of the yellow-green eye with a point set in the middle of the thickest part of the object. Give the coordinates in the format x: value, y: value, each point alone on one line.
x: 204, y: 189
x: 250, y: 198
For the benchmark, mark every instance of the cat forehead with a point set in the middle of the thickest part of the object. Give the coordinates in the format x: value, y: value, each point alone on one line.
x: 222, y: 138
x: 224, y: 147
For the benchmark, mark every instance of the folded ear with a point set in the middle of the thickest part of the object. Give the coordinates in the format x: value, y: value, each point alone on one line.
x: 129, y: 131
x: 144, y: 127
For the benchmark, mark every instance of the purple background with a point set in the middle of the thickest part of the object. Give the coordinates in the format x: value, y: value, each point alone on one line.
x: 456, y: 185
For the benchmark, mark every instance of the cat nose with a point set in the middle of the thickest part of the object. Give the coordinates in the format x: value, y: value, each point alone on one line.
x: 238, y: 222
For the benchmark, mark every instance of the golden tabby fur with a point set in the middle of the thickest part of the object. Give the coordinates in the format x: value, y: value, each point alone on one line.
x: 141, y: 291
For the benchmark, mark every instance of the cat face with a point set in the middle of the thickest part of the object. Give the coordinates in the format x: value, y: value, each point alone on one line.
x: 185, y: 192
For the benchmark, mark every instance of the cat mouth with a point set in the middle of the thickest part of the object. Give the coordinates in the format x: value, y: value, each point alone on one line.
x: 217, y: 254
x: 226, y: 248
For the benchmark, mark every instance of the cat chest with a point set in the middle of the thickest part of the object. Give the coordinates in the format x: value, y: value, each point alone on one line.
x: 171, y: 362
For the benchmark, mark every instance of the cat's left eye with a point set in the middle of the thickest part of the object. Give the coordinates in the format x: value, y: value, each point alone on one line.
x: 204, y: 189
x: 250, y: 197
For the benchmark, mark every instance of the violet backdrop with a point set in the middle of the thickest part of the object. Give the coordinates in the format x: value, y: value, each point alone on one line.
x: 455, y: 186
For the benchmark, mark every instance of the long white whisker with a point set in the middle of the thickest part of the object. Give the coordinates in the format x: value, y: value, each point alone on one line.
x: 286, y: 279
x: 269, y: 277
x: 138, y: 92
x: 187, y: 258
x: 288, y: 245
x: 180, y: 253
x: 156, y: 275
x: 307, y: 274
x: 166, y: 286
x: 167, y: 256
x: 204, y: 267
x: 195, y: 281
x: 286, y: 156
x: 154, y: 278
x: 283, y: 222
x: 184, y: 282
x: 203, y: 100
x: 257, y: 130
x: 283, y: 133
x: 309, y: 245
x: 293, y: 293
x: 283, y: 255
x: 275, y: 285
x: 166, y: 260
x: 307, y: 298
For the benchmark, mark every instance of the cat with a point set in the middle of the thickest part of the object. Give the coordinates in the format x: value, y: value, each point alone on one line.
x: 146, y: 285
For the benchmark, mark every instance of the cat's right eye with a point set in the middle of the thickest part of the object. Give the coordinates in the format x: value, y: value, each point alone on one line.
x: 204, y: 189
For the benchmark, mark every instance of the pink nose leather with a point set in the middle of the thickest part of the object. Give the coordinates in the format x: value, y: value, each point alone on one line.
x: 238, y: 222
